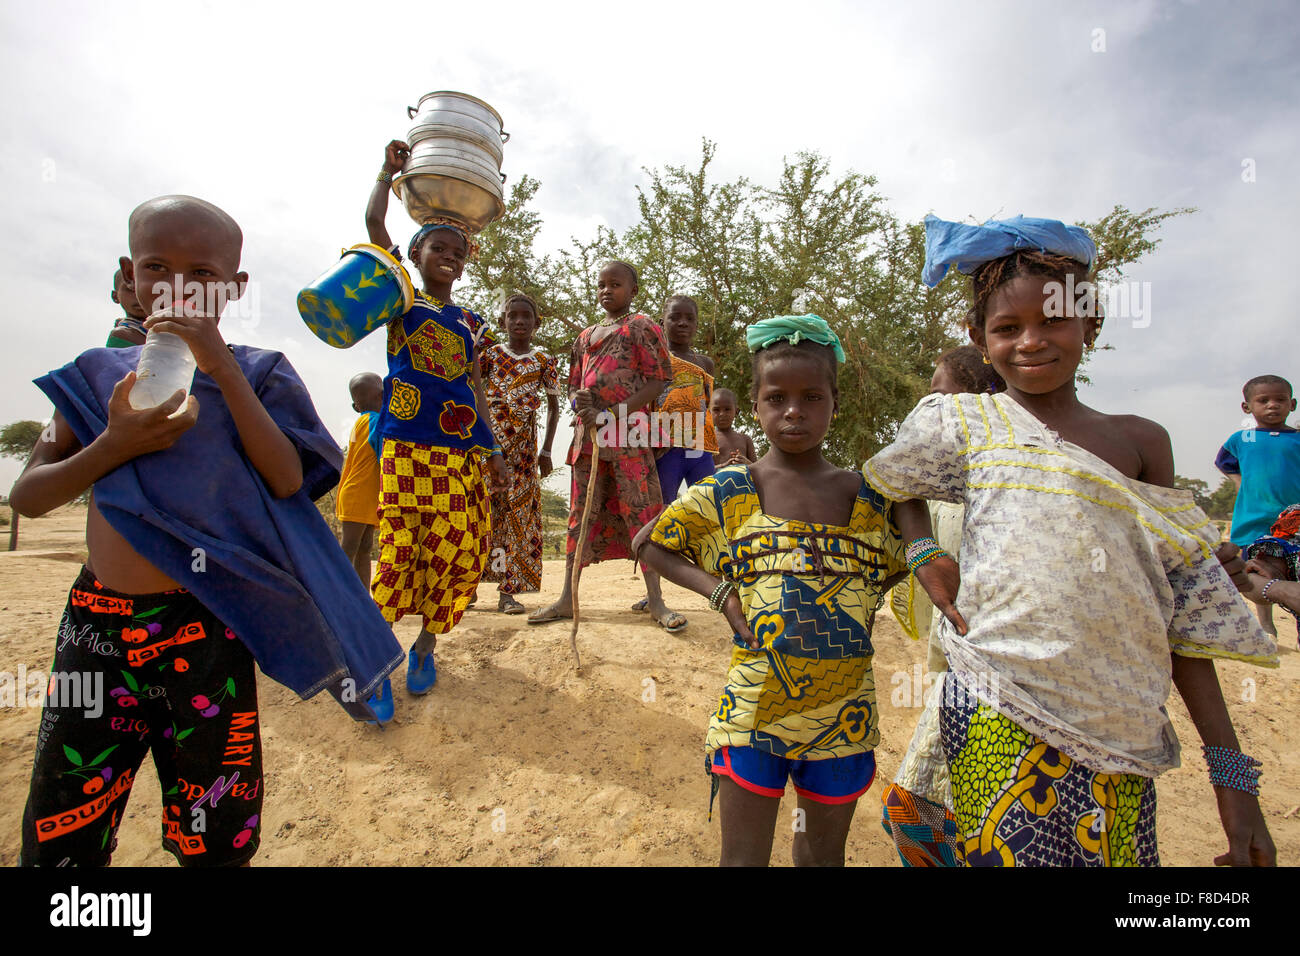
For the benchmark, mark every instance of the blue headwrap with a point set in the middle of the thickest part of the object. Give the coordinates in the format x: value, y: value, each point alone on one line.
x: 471, y: 246
x: 968, y: 247
x: 793, y: 329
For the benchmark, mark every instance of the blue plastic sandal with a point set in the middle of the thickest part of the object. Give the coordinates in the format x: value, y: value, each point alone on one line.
x: 420, y: 678
x: 381, y: 705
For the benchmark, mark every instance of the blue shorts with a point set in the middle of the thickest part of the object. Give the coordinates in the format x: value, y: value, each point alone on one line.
x: 837, y: 780
x: 681, y: 464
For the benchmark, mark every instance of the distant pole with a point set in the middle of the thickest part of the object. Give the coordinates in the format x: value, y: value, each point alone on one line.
x: 13, y: 530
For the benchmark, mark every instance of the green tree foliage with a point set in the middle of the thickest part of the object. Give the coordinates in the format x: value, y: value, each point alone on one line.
x: 812, y: 242
x: 1220, y: 504
x: 1199, y: 489
x: 1217, y: 504
x: 17, y: 439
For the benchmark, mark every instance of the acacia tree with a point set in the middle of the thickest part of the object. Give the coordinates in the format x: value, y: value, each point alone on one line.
x: 812, y: 242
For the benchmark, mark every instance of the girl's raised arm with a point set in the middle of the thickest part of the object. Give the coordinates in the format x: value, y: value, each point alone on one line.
x: 395, y: 154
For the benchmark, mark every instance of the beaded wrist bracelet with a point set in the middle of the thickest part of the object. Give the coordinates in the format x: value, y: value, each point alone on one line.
x: 923, y: 551
x: 384, y: 177
x: 720, y: 595
x: 1232, y: 769
x: 544, y: 453
x: 919, y: 545
x: 1264, y: 593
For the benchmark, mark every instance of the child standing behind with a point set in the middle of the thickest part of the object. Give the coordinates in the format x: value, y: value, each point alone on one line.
x: 619, y: 367
x: 128, y: 330
x: 918, y: 805
x: 797, y: 555
x: 357, y: 501
x: 515, y: 377
x: 734, y: 448
x: 684, y: 415
x: 1264, y: 463
x: 1090, y: 584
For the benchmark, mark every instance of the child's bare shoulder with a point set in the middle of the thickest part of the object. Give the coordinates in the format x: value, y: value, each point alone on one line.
x: 1149, y: 440
x: 846, y: 484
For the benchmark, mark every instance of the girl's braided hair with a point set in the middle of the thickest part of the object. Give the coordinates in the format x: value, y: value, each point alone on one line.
x: 996, y: 273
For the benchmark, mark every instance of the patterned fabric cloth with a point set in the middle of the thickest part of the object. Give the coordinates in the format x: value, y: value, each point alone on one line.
x: 428, y: 392
x: 1022, y: 802
x: 627, y: 499
x: 684, y: 405
x: 434, y: 532
x: 514, y: 385
x: 358, y: 494
x: 153, y: 659
x: 615, y: 362
x: 925, y: 833
x: 810, y: 594
x: 1077, y: 581
x: 1282, y: 541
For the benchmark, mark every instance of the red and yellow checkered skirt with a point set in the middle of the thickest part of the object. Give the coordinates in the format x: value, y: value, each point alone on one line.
x: 435, y: 531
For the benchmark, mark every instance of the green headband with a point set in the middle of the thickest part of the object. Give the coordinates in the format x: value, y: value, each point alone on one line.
x: 793, y: 329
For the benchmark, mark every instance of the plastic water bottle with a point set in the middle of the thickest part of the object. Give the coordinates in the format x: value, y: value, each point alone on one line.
x: 166, y: 364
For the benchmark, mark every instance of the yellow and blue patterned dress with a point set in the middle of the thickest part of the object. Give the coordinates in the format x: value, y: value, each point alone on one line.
x: 810, y: 593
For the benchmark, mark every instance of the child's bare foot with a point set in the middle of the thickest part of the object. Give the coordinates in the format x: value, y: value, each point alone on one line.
x: 665, y: 617
x: 559, y: 611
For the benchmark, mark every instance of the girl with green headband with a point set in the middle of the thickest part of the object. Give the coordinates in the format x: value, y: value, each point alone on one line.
x: 797, y: 555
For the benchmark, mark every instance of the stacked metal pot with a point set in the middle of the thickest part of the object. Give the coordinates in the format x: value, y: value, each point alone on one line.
x: 454, y: 170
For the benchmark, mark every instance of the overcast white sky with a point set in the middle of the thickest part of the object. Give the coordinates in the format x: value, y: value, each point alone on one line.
x: 279, y: 114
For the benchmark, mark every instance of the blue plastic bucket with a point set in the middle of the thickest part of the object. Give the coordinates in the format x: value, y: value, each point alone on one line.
x: 365, y: 290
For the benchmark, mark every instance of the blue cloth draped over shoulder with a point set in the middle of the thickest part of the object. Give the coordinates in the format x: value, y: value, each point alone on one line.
x: 269, y: 567
x: 968, y: 247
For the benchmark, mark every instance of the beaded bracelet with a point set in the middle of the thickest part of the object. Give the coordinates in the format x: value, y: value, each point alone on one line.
x: 1232, y: 769
x: 927, y: 558
x: 496, y: 450
x: 919, y: 545
x: 720, y: 595
x: 923, y: 551
x: 1264, y: 593
x: 384, y: 177
x: 544, y: 453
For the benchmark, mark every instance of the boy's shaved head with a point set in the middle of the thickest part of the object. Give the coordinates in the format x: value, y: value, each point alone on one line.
x: 724, y: 394
x: 191, y: 214
x: 364, y: 381
x: 367, y: 391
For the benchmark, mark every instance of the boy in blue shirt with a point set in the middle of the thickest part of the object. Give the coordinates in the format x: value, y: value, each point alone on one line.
x: 1264, y: 463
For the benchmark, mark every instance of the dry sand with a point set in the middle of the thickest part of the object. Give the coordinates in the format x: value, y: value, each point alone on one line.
x: 513, y: 759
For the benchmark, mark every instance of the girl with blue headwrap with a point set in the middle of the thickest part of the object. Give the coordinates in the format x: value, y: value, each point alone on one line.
x: 435, y: 523
x: 1090, y: 585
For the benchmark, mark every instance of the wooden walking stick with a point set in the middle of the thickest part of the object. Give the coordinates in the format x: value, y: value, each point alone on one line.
x: 582, y: 543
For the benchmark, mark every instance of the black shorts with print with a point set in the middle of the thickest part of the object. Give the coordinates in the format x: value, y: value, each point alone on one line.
x: 135, y: 673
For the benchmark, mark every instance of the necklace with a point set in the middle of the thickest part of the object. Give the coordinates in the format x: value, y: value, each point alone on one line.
x: 432, y: 300
x: 614, y: 319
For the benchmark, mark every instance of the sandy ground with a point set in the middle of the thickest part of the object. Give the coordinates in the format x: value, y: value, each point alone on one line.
x: 515, y: 760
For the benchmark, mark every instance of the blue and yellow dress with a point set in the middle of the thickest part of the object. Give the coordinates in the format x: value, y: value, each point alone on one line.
x: 810, y: 593
x: 435, y: 527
